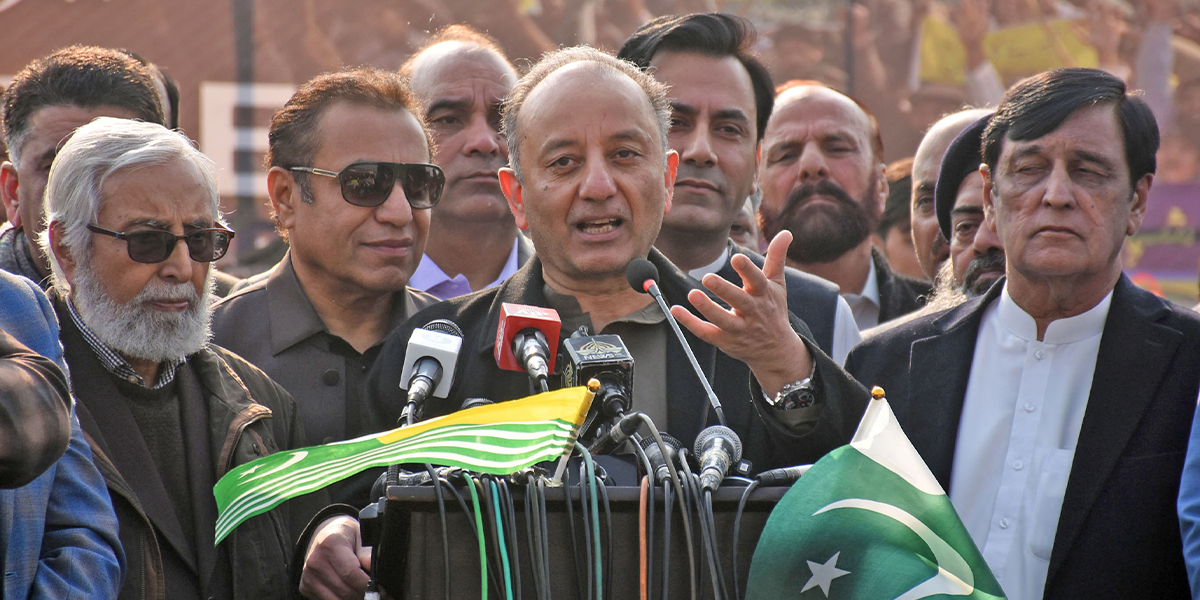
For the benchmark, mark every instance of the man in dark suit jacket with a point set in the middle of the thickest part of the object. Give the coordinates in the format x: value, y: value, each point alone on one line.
x: 1098, y: 378
x: 721, y: 98
x: 592, y: 194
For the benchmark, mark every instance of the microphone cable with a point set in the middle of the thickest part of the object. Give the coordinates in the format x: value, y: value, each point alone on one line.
x: 673, y: 475
x: 737, y: 525
x: 695, y: 500
x: 595, y: 521
x: 483, y: 562
x: 441, y: 502
x: 643, y: 496
x: 666, y: 553
x: 514, y: 546
x: 649, y: 470
x: 716, y: 553
x: 501, y: 547
x: 579, y: 575
x: 608, y: 542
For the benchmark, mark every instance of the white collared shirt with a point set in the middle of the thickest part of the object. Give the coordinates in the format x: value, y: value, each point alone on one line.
x: 430, y: 278
x: 1021, y: 416
x: 865, y: 304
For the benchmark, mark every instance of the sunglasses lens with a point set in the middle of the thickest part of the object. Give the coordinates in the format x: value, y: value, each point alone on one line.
x: 366, y: 184
x: 150, y: 246
x: 422, y: 184
x: 207, y: 246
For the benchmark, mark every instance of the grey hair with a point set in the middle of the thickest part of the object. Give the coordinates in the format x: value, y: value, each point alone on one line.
x: 606, y: 64
x: 96, y: 152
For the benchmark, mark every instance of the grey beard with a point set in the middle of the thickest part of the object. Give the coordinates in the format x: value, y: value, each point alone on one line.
x: 134, y: 331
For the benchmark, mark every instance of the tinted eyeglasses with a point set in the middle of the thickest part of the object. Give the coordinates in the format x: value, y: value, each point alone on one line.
x: 204, y: 245
x: 370, y: 183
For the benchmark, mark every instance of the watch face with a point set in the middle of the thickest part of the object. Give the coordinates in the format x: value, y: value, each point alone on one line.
x: 802, y: 398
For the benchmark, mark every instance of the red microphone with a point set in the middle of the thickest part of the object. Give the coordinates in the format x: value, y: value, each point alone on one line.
x: 525, y: 340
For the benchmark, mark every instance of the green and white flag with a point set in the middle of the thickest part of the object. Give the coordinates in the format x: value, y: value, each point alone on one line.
x: 869, y: 521
x: 499, y: 439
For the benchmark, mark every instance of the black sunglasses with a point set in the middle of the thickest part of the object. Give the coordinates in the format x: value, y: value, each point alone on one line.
x: 204, y: 245
x: 370, y: 183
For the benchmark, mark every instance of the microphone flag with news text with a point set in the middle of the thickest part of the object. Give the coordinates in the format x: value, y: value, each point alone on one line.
x: 869, y: 520
x: 498, y: 439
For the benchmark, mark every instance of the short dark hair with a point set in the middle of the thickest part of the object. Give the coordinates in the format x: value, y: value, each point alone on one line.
x: 456, y: 33
x: 1040, y: 104
x: 83, y: 76
x: 293, y: 135
x: 168, y: 83
x: 710, y: 34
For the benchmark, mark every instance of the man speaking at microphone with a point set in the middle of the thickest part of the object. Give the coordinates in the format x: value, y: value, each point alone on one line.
x: 590, y: 180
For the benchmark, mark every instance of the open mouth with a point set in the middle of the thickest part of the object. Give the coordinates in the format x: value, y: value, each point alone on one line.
x: 599, y: 226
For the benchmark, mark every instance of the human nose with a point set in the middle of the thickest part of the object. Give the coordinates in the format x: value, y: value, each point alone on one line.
x: 698, y: 149
x: 1058, y: 192
x: 985, y: 240
x: 179, y: 264
x: 812, y: 164
x: 483, y: 138
x: 597, y: 182
x: 395, y: 210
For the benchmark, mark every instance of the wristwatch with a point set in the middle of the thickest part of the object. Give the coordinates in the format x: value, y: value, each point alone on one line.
x: 798, y: 394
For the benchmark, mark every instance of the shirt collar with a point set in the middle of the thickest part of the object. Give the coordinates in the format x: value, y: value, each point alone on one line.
x: 712, y: 267
x: 870, y: 290
x: 1069, y: 330
x: 112, y: 361
x: 293, y: 317
x: 431, y: 278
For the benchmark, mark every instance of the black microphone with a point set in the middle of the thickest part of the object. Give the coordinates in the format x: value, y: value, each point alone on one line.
x: 429, y: 364
x: 717, y: 448
x: 654, y: 453
x: 618, y: 435
x: 643, y: 277
x: 475, y: 403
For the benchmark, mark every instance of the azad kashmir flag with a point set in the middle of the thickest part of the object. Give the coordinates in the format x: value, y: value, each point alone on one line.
x: 499, y: 439
x: 869, y: 521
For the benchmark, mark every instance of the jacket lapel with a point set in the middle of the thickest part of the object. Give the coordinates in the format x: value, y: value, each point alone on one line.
x: 939, y: 369
x: 198, y: 445
x: 1132, y: 343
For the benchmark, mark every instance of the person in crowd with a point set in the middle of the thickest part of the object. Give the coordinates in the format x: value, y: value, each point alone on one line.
x: 58, y: 532
x: 591, y: 177
x: 166, y: 413
x: 893, y: 234
x: 1053, y: 403
x: 932, y: 246
x: 976, y: 253
x: 460, y: 77
x: 721, y: 99
x: 822, y: 177
x: 744, y: 231
x: 351, y: 191
x: 46, y: 101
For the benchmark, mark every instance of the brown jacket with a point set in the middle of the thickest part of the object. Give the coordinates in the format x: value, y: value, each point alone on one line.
x: 248, y: 416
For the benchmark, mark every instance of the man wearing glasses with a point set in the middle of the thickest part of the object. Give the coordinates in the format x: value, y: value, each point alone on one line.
x: 351, y: 187
x: 165, y: 412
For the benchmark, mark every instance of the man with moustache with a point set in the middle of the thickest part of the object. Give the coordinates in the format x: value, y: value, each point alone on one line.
x: 930, y: 240
x: 975, y: 251
x: 721, y: 98
x: 591, y: 178
x: 822, y: 177
x: 461, y: 76
x: 165, y: 412
x: 351, y: 191
x: 1055, y: 409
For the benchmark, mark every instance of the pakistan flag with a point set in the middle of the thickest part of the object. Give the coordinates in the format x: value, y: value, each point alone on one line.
x: 869, y: 521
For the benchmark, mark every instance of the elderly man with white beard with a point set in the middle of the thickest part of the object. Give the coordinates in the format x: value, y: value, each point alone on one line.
x: 166, y: 412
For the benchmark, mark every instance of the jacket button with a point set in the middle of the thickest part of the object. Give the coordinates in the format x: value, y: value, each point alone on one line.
x: 254, y: 447
x: 331, y: 377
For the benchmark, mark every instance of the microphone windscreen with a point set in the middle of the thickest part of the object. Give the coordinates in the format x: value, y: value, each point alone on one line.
x: 445, y: 326
x: 707, y: 437
x: 638, y: 271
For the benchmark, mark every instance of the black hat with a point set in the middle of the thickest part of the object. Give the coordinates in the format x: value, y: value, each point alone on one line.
x: 962, y: 158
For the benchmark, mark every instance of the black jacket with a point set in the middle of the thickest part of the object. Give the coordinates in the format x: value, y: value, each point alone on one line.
x: 1118, y: 533
x: 767, y: 443
x: 898, y: 295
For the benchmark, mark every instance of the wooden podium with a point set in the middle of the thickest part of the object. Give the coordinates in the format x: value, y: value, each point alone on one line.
x: 410, y: 552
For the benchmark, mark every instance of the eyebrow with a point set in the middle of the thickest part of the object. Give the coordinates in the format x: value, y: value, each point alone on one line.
x: 448, y: 104
x: 1096, y: 158
x: 1026, y: 151
x: 627, y: 134
x: 925, y: 186
x: 966, y: 210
